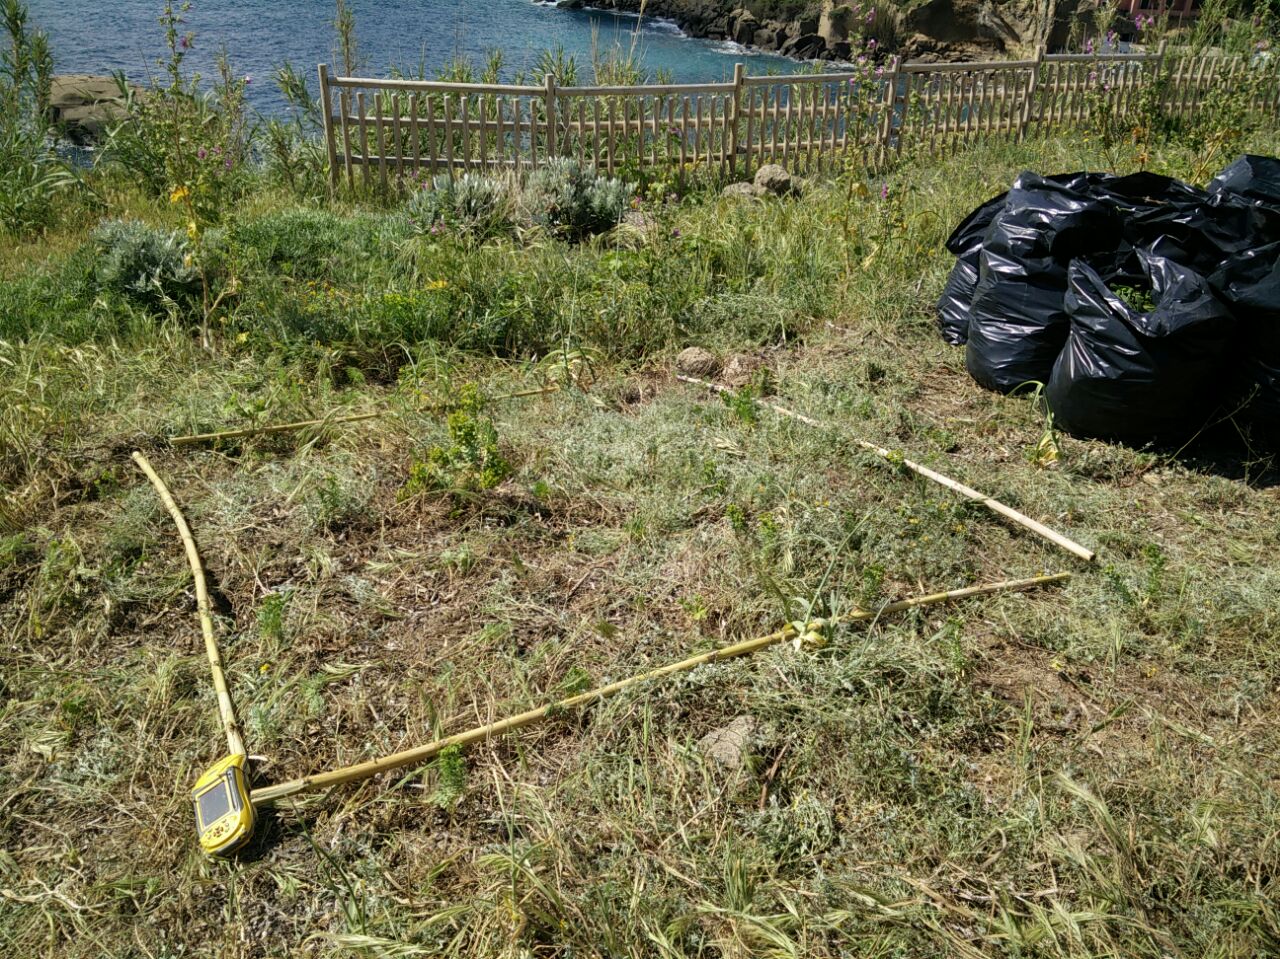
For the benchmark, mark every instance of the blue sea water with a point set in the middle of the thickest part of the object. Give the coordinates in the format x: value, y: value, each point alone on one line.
x: 260, y: 34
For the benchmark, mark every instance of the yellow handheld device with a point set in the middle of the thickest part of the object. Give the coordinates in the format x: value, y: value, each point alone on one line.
x: 224, y: 813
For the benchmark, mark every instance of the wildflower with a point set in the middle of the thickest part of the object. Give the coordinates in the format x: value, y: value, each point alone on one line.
x: 228, y: 163
x: 185, y: 42
x: 265, y: 667
x: 871, y: 44
x: 1088, y: 46
x: 871, y: 15
x: 178, y: 195
x: 192, y: 230
x: 884, y: 191
x: 248, y: 80
x: 244, y: 338
x: 437, y: 284
x: 675, y: 234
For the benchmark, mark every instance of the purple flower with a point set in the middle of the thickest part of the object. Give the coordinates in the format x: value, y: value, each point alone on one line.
x: 884, y: 191
x: 202, y: 153
x: 675, y: 234
x: 862, y: 58
x: 248, y: 80
x: 228, y: 163
x: 871, y: 16
x: 871, y: 44
x: 185, y: 42
x: 1088, y: 46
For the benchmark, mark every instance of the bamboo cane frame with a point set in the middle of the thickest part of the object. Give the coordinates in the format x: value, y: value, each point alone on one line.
x: 1008, y: 512
x: 226, y: 711
x: 366, y: 770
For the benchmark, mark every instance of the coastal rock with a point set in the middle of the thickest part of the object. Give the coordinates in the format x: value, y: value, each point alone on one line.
x: 86, y: 105
x: 771, y: 178
x: 743, y: 27
x: 945, y: 29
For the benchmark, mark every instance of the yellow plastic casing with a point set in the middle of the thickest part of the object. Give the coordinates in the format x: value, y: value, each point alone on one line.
x: 224, y: 813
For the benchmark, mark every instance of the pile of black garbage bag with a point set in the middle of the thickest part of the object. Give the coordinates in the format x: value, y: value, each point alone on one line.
x: 1141, y: 303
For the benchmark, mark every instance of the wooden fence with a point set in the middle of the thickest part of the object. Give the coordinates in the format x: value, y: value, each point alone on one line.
x: 390, y: 133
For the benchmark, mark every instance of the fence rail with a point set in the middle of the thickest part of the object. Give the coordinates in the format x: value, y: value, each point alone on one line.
x: 387, y: 133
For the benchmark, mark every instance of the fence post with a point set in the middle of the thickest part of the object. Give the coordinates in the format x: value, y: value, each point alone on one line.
x: 890, y: 106
x: 551, y: 115
x: 1158, y: 77
x: 1030, y: 94
x: 327, y: 115
x: 735, y: 110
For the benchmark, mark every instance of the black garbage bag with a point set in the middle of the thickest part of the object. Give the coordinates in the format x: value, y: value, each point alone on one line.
x: 1243, y: 211
x: 965, y: 243
x: 1250, y: 179
x: 1250, y: 286
x: 1017, y: 321
x: 1136, y: 374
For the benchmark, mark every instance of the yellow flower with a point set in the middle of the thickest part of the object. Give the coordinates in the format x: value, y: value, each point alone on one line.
x: 243, y: 338
x: 178, y: 195
x: 437, y: 284
x: 264, y: 668
x: 192, y: 230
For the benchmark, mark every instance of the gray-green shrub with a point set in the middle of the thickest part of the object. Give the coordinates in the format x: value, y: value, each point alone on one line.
x: 572, y: 201
x: 473, y: 206
x: 144, y: 264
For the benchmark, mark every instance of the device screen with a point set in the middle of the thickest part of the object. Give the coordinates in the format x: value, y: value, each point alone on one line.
x: 215, y: 803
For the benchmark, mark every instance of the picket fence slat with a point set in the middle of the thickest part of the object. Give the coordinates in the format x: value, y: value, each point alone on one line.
x: 806, y: 123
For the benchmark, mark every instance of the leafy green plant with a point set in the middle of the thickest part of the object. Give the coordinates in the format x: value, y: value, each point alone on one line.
x: 181, y: 141
x: 572, y: 201
x: 293, y: 152
x: 30, y: 174
x: 473, y: 206
x: 144, y: 264
x: 1143, y: 301
x: 471, y: 462
x: 451, y: 778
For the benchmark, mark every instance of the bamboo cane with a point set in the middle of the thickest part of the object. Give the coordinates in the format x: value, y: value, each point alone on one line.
x: 967, y: 491
x: 365, y: 770
x: 235, y: 738
x: 324, y: 421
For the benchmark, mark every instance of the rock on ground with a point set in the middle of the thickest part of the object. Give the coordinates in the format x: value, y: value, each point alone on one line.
x: 729, y: 745
x: 773, y: 179
x: 739, y: 370
x: 695, y: 361
x: 742, y: 190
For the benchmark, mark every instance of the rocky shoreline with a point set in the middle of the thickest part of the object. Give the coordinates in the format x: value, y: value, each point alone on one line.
x: 828, y: 30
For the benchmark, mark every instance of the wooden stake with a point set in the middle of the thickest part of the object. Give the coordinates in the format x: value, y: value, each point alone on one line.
x: 420, y: 754
x: 968, y: 492
x: 235, y: 738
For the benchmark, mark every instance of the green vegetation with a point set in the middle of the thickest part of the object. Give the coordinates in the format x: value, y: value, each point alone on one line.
x: 1081, y: 772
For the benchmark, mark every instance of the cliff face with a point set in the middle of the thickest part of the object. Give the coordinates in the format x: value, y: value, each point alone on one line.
x: 821, y: 29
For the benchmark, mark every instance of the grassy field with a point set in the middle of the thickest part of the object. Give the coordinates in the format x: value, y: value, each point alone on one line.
x: 1088, y: 770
